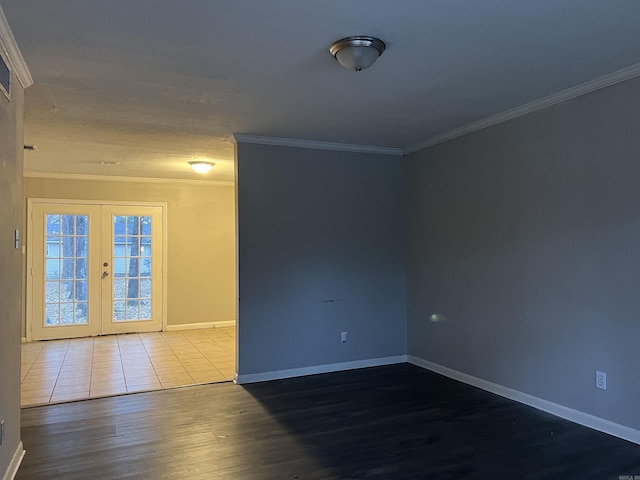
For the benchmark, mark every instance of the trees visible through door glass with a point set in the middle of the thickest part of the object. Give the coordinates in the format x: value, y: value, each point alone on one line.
x: 66, y: 270
x: 131, y: 267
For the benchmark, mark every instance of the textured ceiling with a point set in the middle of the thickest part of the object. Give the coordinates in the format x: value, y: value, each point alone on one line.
x: 151, y: 84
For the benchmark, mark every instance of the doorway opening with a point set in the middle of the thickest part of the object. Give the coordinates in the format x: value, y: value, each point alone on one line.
x: 72, y: 293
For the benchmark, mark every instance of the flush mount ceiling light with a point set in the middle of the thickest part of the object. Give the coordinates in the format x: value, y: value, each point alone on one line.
x: 357, y: 53
x: 201, y: 167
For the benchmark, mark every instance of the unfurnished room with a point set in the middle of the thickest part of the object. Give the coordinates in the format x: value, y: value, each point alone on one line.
x: 275, y: 239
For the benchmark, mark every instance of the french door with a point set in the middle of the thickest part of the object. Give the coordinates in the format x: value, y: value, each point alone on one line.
x: 94, y: 269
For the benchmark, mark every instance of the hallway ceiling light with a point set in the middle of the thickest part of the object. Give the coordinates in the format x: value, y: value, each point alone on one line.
x: 357, y: 53
x: 201, y: 167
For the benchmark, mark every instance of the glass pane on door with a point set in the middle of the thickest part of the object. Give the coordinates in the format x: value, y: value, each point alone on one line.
x: 66, y: 255
x: 131, y: 246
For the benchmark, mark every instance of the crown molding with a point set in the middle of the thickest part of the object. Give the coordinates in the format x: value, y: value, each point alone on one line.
x: 562, y: 96
x: 117, y: 178
x: 13, y: 56
x: 290, y: 142
x: 570, y: 93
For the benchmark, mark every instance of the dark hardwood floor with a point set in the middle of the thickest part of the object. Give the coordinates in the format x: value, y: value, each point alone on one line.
x: 395, y: 422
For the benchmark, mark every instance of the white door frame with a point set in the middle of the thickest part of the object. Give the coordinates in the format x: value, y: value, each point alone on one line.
x: 31, y: 202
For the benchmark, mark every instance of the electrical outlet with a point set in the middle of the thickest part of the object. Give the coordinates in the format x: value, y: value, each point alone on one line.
x: 1, y: 432
x: 601, y: 380
x: 343, y: 337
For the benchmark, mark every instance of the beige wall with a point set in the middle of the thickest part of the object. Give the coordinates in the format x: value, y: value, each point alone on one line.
x: 201, y: 285
x: 11, y: 141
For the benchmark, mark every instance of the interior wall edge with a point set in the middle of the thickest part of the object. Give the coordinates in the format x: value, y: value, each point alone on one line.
x: 14, y: 465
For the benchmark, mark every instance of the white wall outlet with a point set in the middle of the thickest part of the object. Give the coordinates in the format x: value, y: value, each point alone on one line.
x: 601, y: 380
x: 343, y: 337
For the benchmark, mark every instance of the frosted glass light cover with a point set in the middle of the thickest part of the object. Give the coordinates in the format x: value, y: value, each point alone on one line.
x: 357, y: 58
x: 201, y: 167
x: 357, y: 52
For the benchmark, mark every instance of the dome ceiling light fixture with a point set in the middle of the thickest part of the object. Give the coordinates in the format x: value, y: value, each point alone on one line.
x: 357, y: 53
x: 201, y: 167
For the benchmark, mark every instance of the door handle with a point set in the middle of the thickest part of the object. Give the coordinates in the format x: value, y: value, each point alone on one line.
x: 105, y: 274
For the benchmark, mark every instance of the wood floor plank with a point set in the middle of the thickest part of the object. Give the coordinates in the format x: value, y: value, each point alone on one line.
x: 394, y: 422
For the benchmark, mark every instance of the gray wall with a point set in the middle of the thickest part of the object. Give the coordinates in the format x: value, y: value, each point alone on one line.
x: 321, y: 251
x: 526, y: 236
x: 11, y: 141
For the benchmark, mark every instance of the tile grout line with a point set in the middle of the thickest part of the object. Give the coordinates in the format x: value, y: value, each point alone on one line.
x: 30, y: 366
x: 180, y: 360
x: 59, y: 370
x: 174, y: 354
x: 93, y: 351
x: 137, y: 347
x: 193, y: 345
x: 83, y: 361
x: 110, y: 346
x: 41, y: 349
x: 144, y: 349
x: 124, y: 376
x: 207, y: 358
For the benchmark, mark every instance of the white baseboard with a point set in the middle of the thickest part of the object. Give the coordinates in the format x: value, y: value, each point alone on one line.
x: 301, y: 372
x: 198, y: 326
x: 16, y: 460
x: 231, y: 323
x: 576, y: 416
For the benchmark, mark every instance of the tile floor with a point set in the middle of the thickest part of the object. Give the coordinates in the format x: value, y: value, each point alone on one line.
x: 64, y: 370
